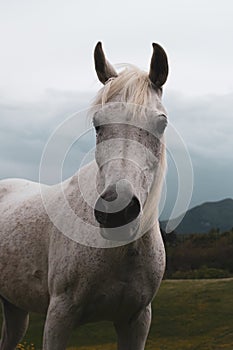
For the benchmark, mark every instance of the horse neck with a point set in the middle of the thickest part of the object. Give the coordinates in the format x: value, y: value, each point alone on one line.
x: 81, y: 186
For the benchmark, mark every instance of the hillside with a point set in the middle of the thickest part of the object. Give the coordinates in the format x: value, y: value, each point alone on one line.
x: 207, y: 216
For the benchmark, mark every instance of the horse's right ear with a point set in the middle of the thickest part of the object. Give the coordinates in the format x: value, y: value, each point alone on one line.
x: 103, y: 68
x: 158, y: 66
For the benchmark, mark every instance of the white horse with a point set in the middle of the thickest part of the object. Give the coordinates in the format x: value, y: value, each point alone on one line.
x: 43, y: 270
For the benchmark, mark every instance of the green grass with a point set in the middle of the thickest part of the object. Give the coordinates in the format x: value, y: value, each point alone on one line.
x: 187, y: 315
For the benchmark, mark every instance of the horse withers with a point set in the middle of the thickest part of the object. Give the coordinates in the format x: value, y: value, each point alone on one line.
x: 108, y: 264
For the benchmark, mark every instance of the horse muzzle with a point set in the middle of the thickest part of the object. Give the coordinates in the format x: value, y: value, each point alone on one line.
x: 117, y: 211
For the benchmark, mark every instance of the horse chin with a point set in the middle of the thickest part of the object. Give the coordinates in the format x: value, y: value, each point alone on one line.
x: 126, y: 233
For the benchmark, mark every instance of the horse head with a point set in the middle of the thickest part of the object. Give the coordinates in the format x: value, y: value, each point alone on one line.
x: 129, y: 120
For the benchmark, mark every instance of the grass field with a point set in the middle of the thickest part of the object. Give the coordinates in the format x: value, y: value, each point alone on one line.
x: 187, y: 315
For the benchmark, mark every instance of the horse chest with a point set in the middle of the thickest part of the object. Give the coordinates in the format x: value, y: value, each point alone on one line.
x: 129, y: 288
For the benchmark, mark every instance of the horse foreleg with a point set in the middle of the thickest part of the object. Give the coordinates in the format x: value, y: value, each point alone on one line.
x: 132, y: 335
x: 15, y: 323
x: 59, y: 323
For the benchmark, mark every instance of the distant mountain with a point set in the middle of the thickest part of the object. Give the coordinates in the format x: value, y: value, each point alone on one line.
x: 204, y: 217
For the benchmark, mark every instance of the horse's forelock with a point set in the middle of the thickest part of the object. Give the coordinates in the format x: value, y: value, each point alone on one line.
x: 132, y: 85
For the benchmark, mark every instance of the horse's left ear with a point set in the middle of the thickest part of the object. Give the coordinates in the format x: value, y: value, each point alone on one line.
x: 158, y: 66
x: 103, y: 68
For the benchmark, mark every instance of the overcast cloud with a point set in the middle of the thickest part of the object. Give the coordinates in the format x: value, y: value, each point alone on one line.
x: 204, y: 124
x: 46, y: 74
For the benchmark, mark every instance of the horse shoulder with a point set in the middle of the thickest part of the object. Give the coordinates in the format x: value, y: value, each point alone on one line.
x: 14, y: 189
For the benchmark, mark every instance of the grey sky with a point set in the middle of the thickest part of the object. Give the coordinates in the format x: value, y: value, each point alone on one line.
x: 46, y: 73
x: 49, y: 44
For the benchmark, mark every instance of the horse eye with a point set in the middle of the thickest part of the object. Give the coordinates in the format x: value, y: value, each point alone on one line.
x: 97, y: 128
x: 161, y: 123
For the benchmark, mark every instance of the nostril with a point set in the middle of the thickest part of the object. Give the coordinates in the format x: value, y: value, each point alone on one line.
x: 110, y: 194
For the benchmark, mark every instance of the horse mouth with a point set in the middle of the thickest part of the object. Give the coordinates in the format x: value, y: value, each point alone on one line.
x: 125, y: 233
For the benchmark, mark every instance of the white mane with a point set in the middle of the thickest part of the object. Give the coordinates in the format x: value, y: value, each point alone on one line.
x: 150, y: 210
x: 133, y: 86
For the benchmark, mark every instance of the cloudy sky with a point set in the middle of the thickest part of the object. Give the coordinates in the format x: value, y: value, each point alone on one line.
x: 46, y: 74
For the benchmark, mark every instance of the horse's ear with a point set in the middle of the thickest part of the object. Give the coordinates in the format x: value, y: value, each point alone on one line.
x: 158, y: 66
x: 103, y: 68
